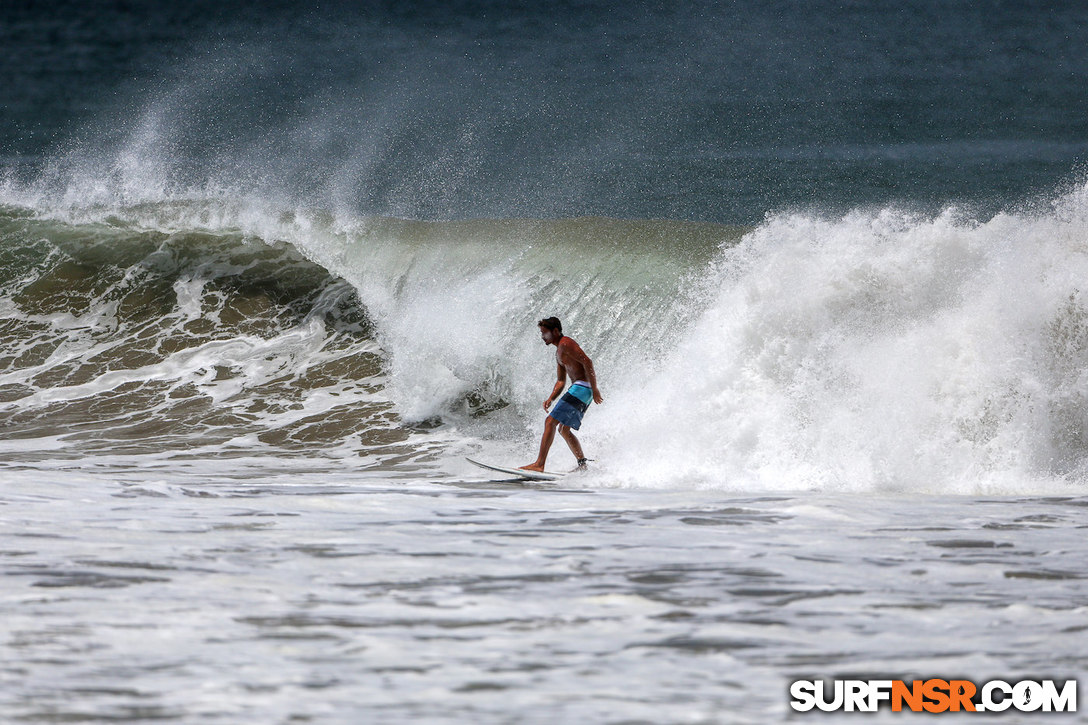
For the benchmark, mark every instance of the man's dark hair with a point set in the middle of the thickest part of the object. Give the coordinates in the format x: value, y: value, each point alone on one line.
x: 552, y: 323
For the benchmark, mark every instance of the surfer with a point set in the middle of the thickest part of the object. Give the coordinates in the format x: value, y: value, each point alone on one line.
x: 568, y: 412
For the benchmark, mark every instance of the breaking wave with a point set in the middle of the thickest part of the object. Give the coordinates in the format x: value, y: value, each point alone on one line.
x: 877, y: 350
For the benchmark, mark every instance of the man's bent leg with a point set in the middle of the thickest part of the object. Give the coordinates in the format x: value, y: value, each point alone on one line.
x: 550, y: 424
x: 572, y: 442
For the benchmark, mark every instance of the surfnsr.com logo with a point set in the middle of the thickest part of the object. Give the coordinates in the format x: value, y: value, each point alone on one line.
x: 934, y: 695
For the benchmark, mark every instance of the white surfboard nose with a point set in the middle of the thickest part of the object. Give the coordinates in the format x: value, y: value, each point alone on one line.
x: 519, y: 472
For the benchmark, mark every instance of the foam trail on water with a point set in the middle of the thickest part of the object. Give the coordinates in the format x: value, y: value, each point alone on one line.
x: 880, y: 350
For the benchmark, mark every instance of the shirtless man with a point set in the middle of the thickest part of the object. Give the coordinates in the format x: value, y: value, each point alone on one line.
x: 568, y: 413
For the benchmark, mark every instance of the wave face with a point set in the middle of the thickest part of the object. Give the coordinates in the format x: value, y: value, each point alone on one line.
x: 122, y: 340
x: 877, y: 350
x: 228, y: 329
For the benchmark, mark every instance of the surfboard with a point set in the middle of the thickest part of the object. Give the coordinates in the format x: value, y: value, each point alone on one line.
x: 519, y: 473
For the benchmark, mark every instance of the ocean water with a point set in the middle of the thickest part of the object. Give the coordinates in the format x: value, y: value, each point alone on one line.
x: 269, y: 272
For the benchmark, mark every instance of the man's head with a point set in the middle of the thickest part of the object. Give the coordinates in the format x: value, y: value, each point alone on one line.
x: 551, y: 330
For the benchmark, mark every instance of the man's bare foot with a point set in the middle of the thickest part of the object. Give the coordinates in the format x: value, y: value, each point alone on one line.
x: 539, y: 468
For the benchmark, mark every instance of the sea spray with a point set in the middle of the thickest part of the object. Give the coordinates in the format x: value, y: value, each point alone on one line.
x: 879, y: 350
x: 458, y: 314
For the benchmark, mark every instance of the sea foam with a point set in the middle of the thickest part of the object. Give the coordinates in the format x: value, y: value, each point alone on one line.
x: 879, y: 350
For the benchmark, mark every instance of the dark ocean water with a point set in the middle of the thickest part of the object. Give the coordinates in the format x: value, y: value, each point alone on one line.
x: 699, y: 111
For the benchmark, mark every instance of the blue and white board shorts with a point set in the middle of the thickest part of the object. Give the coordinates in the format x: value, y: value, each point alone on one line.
x: 572, y: 406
